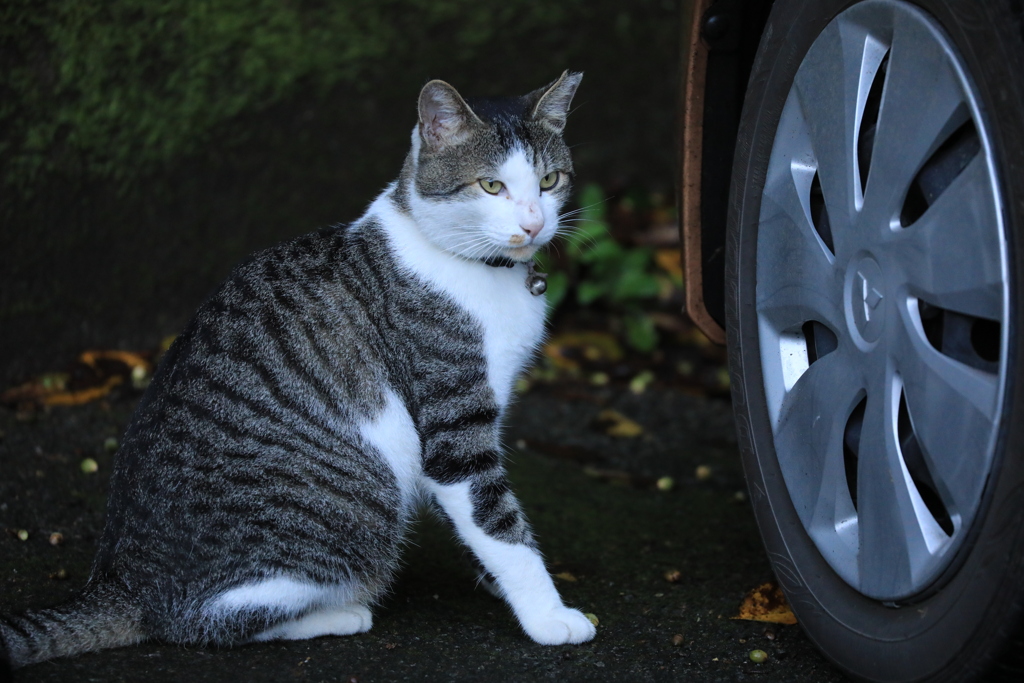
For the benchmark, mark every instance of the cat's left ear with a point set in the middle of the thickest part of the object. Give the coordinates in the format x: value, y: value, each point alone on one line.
x: 551, y: 103
x: 445, y: 118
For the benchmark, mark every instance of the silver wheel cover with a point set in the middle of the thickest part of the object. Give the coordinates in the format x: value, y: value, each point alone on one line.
x: 884, y: 420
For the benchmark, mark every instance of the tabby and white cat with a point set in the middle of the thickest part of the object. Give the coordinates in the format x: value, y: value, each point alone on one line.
x: 265, y: 482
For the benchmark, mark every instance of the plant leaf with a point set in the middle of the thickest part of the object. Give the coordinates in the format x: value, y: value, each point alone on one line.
x: 633, y: 284
x: 604, y: 251
x: 558, y: 287
x: 589, y: 291
x: 640, y: 332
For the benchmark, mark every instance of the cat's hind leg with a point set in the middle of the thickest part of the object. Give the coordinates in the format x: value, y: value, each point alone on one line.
x: 285, y: 608
x: 343, y: 620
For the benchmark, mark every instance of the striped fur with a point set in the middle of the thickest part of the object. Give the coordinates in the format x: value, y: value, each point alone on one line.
x: 265, y: 482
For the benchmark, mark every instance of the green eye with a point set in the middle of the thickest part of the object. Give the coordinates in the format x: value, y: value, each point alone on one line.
x: 549, y: 181
x: 491, y: 186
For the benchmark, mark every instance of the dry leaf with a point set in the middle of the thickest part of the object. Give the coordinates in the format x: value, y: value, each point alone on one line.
x: 621, y: 478
x: 566, y: 350
x: 614, y: 423
x: 74, y: 398
x: 129, y: 358
x: 92, y: 376
x: 766, y: 603
x: 566, y: 576
x: 638, y: 384
x: 670, y: 261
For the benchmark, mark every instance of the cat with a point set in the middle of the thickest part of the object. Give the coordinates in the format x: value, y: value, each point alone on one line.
x: 325, y: 390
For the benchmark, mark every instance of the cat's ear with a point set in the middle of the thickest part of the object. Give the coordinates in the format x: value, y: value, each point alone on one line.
x: 550, y: 104
x: 445, y: 118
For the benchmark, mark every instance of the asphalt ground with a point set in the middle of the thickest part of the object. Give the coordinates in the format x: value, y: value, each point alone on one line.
x: 87, y: 264
x: 610, y: 535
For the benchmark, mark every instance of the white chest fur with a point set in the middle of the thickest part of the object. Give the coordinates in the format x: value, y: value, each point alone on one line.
x: 511, y: 317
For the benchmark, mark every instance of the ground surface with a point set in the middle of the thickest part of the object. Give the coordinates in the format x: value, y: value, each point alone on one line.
x: 604, y: 527
x: 87, y: 264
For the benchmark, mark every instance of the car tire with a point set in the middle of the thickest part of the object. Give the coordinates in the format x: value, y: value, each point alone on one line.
x: 874, y: 351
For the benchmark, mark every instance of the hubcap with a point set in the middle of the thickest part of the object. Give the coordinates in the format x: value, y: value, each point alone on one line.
x: 865, y: 311
x: 881, y: 298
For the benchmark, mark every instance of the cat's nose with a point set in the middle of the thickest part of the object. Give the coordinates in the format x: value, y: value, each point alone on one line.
x: 530, y: 216
x: 532, y: 227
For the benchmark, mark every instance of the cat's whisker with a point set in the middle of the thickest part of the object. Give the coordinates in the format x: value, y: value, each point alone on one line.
x: 584, y: 208
x: 472, y: 241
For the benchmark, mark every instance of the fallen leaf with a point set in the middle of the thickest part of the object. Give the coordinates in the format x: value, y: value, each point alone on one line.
x: 766, y: 603
x: 697, y: 338
x: 670, y: 261
x: 93, y: 375
x: 621, y: 478
x: 639, y: 383
x: 74, y: 398
x: 566, y: 576
x: 670, y: 322
x: 616, y: 476
x: 566, y: 350
x: 129, y: 358
x: 614, y: 423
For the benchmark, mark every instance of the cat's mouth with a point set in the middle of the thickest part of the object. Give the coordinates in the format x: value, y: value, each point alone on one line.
x: 524, y: 253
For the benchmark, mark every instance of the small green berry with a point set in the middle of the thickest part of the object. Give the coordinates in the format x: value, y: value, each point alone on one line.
x: 758, y: 656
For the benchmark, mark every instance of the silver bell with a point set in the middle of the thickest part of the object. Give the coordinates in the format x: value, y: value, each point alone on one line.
x: 537, y: 285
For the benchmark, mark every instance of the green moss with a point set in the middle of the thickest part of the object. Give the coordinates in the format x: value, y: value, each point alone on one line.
x: 107, y: 88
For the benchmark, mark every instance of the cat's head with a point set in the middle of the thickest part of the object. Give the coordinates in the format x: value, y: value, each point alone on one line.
x: 489, y: 176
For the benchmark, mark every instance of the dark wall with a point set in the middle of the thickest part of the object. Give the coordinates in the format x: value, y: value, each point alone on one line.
x: 112, y: 240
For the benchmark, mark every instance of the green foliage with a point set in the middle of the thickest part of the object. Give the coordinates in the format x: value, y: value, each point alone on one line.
x: 112, y: 86
x: 605, y: 273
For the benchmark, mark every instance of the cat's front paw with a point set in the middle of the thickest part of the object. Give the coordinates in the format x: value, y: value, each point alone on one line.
x: 559, y: 626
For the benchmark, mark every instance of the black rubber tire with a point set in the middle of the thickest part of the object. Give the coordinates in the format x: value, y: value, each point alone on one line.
x: 972, y: 612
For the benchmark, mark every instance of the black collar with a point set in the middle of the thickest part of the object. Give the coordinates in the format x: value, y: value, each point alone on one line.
x: 499, y: 262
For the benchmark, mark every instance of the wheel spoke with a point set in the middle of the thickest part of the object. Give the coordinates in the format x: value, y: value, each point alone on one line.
x: 921, y: 105
x: 834, y: 525
x: 790, y: 175
x: 952, y: 255
x: 796, y: 281
x: 810, y: 428
x: 953, y: 409
x: 827, y: 84
x: 890, y: 536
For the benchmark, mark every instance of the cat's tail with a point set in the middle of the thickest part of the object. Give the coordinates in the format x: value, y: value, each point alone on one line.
x: 100, y: 616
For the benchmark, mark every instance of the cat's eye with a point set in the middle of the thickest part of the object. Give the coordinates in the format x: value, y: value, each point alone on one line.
x: 550, y: 180
x: 491, y: 186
